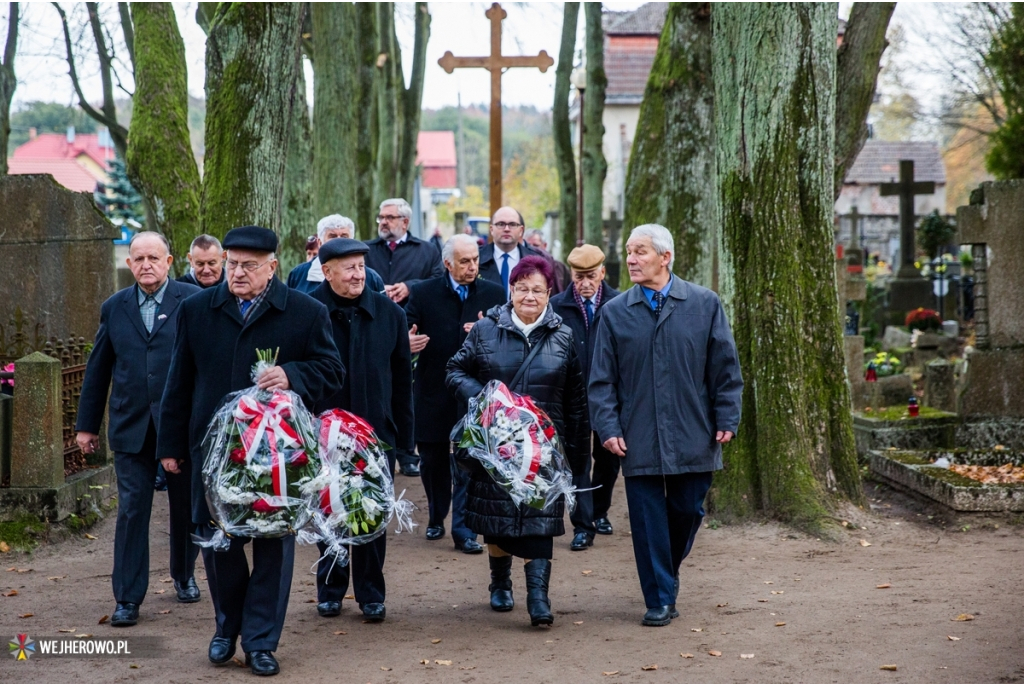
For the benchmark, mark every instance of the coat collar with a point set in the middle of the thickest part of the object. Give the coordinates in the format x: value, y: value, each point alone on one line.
x: 366, y: 302
x: 276, y: 298
x: 167, y: 307
x: 487, y: 252
x: 680, y: 290
x: 502, y: 314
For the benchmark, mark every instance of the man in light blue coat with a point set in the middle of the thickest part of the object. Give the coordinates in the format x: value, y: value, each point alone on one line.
x: 665, y: 392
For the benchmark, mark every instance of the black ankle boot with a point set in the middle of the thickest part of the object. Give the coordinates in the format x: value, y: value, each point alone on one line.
x: 501, y: 583
x: 538, y: 573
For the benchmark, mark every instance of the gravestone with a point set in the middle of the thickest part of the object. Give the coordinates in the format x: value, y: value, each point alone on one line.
x: 939, y: 385
x: 993, y: 225
x: 909, y: 290
x: 37, y: 450
x: 56, y: 256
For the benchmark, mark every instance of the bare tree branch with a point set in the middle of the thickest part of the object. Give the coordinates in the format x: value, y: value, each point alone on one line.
x: 129, y: 31
x: 12, y: 36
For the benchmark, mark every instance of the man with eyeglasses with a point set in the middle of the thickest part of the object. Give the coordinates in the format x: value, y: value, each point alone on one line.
x: 219, y: 331
x: 206, y: 262
x: 500, y: 256
x: 306, y: 277
x: 401, y: 259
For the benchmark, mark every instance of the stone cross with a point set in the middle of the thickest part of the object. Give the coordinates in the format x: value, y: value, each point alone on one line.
x: 496, y: 63
x: 906, y: 189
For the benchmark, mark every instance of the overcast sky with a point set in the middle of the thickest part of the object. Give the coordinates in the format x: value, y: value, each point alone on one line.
x: 459, y: 27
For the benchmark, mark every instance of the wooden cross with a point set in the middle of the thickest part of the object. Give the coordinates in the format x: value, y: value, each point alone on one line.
x: 495, y: 63
x: 906, y: 189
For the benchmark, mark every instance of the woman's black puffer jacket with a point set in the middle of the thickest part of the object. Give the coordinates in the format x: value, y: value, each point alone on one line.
x: 494, y: 350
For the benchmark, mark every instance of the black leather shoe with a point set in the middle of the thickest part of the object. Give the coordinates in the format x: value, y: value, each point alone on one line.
x: 470, y: 547
x: 374, y: 612
x: 658, y: 616
x: 604, y: 526
x: 501, y: 583
x: 435, y: 532
x: 328, y: 609
x: 160, y: 484
x: 262, y: 662
x: 221, y: 650
x: 187, y: 593
x: 538, y: 575
x: 126, y: 614
x: 581, y: 541
x: 409, y: 470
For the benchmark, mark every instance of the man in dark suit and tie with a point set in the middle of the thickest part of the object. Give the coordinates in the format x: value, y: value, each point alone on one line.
x: 441, y: 311
x: 578, y: 306
x: 219, y: 333
x: 133, y: 348
x: 500, y: 256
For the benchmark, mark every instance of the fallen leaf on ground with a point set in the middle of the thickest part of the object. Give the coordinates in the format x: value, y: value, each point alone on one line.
x: 4, y: 547
x: 310, y: 601
x: 340, y: 632
x: 577, y: 623
x: 865, y: 543
x: 466, y: 668
x: 350, y: 596
x: 67, y: 630
x: 652, y: 667
x: 425, y: 662
x: 90, y: 537
x: 723, y: 604
x: 385, y: 668
x: 768, y: 582
x: 13, y: 568
x: 685, y: 655
x: 609, y: 673
x: 883, y: 586
x: 10, y: 593
x: 715, y: 652
x: 888, y: 667
x: 779, y: 624
x: 1003, y: 475
x: 133, y: 665
x: 165, y: 611
x: 587, y: 573
x: 435, y: 641
x: 963, y: 617
x: 238, y: 662
x: 103, y: 619
x: 746, y: 656
x: 763, y: 601
x: 167, y: 580
x: 25, y: 615
x: 24, y: 570
x: 56, y: 577
x: 443, y: 662
x: 778, y: 592
x: 954, y: 639
x: 84, y: 635
x: 160, y: 592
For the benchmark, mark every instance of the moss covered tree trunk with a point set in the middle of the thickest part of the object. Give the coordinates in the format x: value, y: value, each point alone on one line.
x: 253, y: 64
x: 671, y: 176
x: 366, y: 141
x: 298, y: 219
x: 335, y: 108
x: 595, y: 168
x: 564, y: 157
x: 160, y: 160
x: 774, y: 72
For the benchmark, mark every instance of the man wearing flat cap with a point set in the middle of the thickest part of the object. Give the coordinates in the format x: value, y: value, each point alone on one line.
x: 219, y: 331
x: 579, y: 306
x: 372, y: 336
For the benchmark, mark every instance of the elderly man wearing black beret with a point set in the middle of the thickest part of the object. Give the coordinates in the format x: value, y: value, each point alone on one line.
x: 219, y: 331
x: 372, y: 337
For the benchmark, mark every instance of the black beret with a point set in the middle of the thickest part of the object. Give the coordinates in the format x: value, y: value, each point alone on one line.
x: 255, y: 238
x: 341, y: 247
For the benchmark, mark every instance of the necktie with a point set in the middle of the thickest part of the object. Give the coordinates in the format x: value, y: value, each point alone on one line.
x: 659, y: 303
x: 392, y: 245
x: 244, y: 306
x: 589, y: 304
x: 504, y: 271
x: 463, y: 292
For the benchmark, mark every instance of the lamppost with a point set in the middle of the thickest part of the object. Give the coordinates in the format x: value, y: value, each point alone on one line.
x: 579, y: 81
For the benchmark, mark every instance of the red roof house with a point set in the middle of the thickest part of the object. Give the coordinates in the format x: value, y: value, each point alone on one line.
x: 76, y: 161
x: 435, y: 151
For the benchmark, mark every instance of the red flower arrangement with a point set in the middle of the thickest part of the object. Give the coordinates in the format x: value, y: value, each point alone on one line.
x: 924, y: 320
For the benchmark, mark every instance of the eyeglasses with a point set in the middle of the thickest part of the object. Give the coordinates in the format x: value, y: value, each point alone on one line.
x: 506, y: 224
x: 247, y: 267
x: 381, y: 217
x: 523, y: 292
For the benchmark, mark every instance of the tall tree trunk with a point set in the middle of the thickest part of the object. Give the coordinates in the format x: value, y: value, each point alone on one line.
x: 336, y: 99
x: 298, y: 220
x: 856, y: 77
x: 774, y: 72
x: 8, y: 82
x: 595, y: 168
x: 671, y: 175
x: 366, y: 145
x: 564, y: 157
x: 159, y: 157
x: 253, y: 64
x: 411, y: 103
x: 389, y: 114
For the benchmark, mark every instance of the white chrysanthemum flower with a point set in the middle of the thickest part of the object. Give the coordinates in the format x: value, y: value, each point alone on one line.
x: 235, y: 495
x: 372, y: 469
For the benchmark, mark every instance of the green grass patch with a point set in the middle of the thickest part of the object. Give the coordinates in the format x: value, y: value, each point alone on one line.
x: 899, y: 413
x: 23, y: 534
x: 908, y: 458
x: 951, y: 477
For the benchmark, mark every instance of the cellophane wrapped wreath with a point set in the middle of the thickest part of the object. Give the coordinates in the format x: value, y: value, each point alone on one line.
x: 261, y: 460
x: 355, y: 495
x: 518, y: 445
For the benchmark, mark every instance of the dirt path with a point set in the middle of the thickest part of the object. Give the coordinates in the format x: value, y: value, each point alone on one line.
x: 738, y: 585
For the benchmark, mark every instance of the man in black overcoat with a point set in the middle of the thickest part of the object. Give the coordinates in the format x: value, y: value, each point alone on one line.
x: 444, y: 309
x: 133, y: 348
x: 219, y: 332
x: 372, y: 337
x: 500, y: 256
x: 579, y: 307
x: 206, y: 262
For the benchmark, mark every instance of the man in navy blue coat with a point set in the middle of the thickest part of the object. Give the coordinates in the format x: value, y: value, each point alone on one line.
x: 579, y: 306
x: 442, y: 310
x: 133, y: 348
x: 500, y: 256
x: 219, y: 333
x: 372, y: 337
x: 206, y: 262
x: 308, y: 276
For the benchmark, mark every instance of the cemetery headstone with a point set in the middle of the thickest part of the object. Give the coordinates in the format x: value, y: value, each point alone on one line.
x: 939, y: 385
